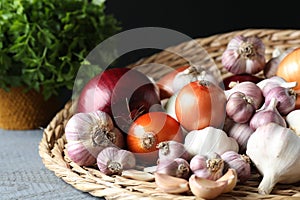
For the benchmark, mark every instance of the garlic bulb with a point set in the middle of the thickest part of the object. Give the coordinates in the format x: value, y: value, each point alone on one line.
x: 292, y: 120
x: 209, y: 140
x: 269, y: 83
x: 244, y: 55
x: 192, y: 73
x: 171, y: 149
x: 89, y: 133
x: 240, y: 132
x: 266, y: 115
x: 271, y: 66
x: 240, y: 107
x: 112, y: 160
x: 177, y: 167
x: 170, y: 106
x: 250, y: 89
x: 239, y: 162
x: 208, y: 166
x: 275, y: 151
x: 286, y: 98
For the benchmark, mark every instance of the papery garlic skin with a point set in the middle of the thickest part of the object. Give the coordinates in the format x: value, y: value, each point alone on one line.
x: 293, y: 122
x: 209, y: 140
x: 240, y: 107
x: 192, y: 73
x: 271, y: 66
x: 244, y: 55
x: 240, y: 132
x: 286, y: 98
x: 112, y: 160
x: 267, y: 84
x: 250, y: 89
x: 275, y: 151
x: 239, y: 162
x: 171, y: 149
x: 266, y: 115
x: 89, y: 133
x: 177, y: 167
x: 170, y: 106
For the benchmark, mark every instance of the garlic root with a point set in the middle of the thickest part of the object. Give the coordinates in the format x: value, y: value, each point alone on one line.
x: 267, y: 183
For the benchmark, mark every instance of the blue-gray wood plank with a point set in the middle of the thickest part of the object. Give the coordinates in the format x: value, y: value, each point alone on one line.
x: 23, y: 174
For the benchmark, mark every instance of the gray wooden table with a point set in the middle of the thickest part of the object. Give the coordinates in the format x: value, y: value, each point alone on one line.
x: 22, y: 173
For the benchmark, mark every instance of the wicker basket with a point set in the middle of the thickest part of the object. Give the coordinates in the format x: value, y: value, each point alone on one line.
x: 52, y: 146
x: 28, y: 110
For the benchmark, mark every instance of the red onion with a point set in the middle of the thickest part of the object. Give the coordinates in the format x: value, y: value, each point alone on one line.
x: 123, y: 93
x: 240, y: 78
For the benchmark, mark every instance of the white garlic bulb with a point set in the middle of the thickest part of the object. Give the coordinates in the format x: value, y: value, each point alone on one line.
x: 209, y: 140
x: 275, y: 151
x: 292, y: 120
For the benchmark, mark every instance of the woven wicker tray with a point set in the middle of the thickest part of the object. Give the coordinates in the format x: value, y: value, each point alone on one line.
x: 52, y: 145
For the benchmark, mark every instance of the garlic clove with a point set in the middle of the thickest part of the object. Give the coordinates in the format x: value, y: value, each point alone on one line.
x: 171, y: 184
x: 137, y: 175
x: 207, y: 189
x: 231, y: 177
x: 150, y: 169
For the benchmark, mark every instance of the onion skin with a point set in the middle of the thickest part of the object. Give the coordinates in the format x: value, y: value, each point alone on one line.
x: 123, y: 93
x: 289, y: 67
x: 96, y: 95
x: 165, y: 83
x: 200, y: 104
x: 147, y: 131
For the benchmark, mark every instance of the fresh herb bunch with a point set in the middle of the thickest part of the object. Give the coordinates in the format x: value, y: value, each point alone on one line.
x: 43, y: 42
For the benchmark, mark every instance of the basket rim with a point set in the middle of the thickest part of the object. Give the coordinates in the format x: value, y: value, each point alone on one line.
x: 52, y: 144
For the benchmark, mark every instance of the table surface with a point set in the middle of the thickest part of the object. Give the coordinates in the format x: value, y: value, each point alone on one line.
x: 23, y: 174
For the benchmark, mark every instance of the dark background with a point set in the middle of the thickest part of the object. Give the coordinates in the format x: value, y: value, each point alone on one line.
x: 201, y: 18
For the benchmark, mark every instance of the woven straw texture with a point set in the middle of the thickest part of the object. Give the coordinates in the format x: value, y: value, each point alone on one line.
x: 52, y: 147
x: 22, y: 110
